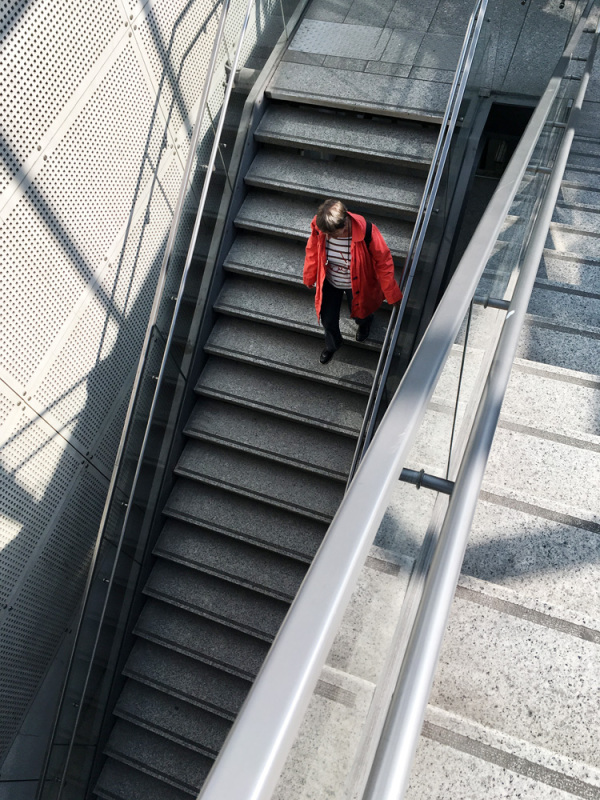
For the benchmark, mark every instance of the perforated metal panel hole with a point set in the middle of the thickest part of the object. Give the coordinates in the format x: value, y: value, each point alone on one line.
x: 48, y: 48
x: 41, y: 282
x: 179, y: 52
x: 102, y: 163
x: 37, y: 470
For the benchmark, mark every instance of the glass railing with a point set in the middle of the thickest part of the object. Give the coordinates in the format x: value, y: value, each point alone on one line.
x: 247, y: 46
x: 426, y: 251
x: 338, y: 705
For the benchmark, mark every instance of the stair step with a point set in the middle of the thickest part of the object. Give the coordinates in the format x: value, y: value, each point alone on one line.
x: 192, y: 680
x: 324, y: 406
x: 360, y: 91
x: 219, y: 600
x: 201, y: 638
x: 569, y: 307
x: 158, y: 757
x: 269, y: 212
x: 236, y: 561
x: 577, y: 196
x: 570, y: 270
x: 280, y: 439
x: 550, y: 342
x: 583, y: 220
x: 172, y: 717
x: 267, y: 257
x: 398, y: 141
x: 581, y: 177
x: 289, y: 352
x: 565, y: 238
x: 245, y: 519
x: 355, y: 182
x: 244, y: 473
x: 122, y: 782
x: 289, y: 307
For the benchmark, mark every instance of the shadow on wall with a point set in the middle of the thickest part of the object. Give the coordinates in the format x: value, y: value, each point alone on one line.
x: 58, y: 447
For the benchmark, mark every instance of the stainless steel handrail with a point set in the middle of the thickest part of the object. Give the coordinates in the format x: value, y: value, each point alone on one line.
x: 424, y: 213
x: 391, y: 768
x: 254, y: 753
x: 184, y: 189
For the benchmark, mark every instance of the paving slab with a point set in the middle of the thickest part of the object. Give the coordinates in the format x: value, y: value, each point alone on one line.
x: 412, y: 16
x: 439, y: 51
x: 337, y: 39
x: 365, y: 12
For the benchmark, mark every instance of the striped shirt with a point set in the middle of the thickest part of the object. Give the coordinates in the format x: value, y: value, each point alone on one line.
x: 338, y: 262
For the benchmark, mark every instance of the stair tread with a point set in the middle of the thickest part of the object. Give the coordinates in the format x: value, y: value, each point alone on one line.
x: 159, y: 757
x: 289, y: 307
x: 245, y: 473
x: 250, y: 566
x: 290, y: 216
x: 364, y: 184
x: 119, y: 781
x: 287, y: 351
x: 246, y: 519
x: 378, y: 139
x: 281, y: 439
x: 172, y: 717
x: 323, y: 405
x: 277, y: 259
x: 192, y: 680
x: 219, y: 600
x: 201, y: 638
x: 359, y: 91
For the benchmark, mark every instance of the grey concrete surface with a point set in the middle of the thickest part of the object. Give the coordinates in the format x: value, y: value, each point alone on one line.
x: 320, y: 452
x: 276, y: 529
x: 230, y: 558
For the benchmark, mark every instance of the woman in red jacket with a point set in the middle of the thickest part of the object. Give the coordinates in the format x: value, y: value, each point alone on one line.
x: 339, y: 261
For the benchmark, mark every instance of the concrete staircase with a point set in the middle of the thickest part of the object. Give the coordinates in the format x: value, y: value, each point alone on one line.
x: 269, y: 445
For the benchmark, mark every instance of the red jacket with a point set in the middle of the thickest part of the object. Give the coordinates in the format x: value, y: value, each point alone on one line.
x: 371, y: 268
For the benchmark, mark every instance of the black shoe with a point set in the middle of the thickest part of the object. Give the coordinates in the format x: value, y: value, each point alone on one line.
x: 362, y: 334
x: 326, y: 356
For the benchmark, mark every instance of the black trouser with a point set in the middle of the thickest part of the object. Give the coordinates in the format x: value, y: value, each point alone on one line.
x: 331, y: 304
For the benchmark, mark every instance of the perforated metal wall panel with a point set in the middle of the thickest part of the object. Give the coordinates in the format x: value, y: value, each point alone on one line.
x: 97, y: 106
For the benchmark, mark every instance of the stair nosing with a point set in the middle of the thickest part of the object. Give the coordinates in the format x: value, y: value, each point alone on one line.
x: 142, y: 723
x: 195, y: 654
x: 116, y: 755
x: 277, y: 366
x: 172, y: 514
x: 202, y: 612
x: 224, y: 576
x: 234, y: 489
x: 163, y: 687
x: 295, y: 416
x: 266, y: 454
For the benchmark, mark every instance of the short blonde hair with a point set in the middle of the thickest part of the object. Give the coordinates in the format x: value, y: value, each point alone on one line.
x: 331, y: 216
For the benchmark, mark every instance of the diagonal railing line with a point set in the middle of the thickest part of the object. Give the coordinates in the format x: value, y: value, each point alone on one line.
x: 391, y: 770
x: 424, y: 213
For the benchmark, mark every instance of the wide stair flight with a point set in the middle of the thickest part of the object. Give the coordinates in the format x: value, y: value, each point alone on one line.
x: 269, y: 444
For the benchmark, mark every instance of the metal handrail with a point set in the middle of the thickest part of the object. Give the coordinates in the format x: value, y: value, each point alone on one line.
x: 183, y: 191
x: 424, y: 213
x: 391, y: 768
x: 255, y: 751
